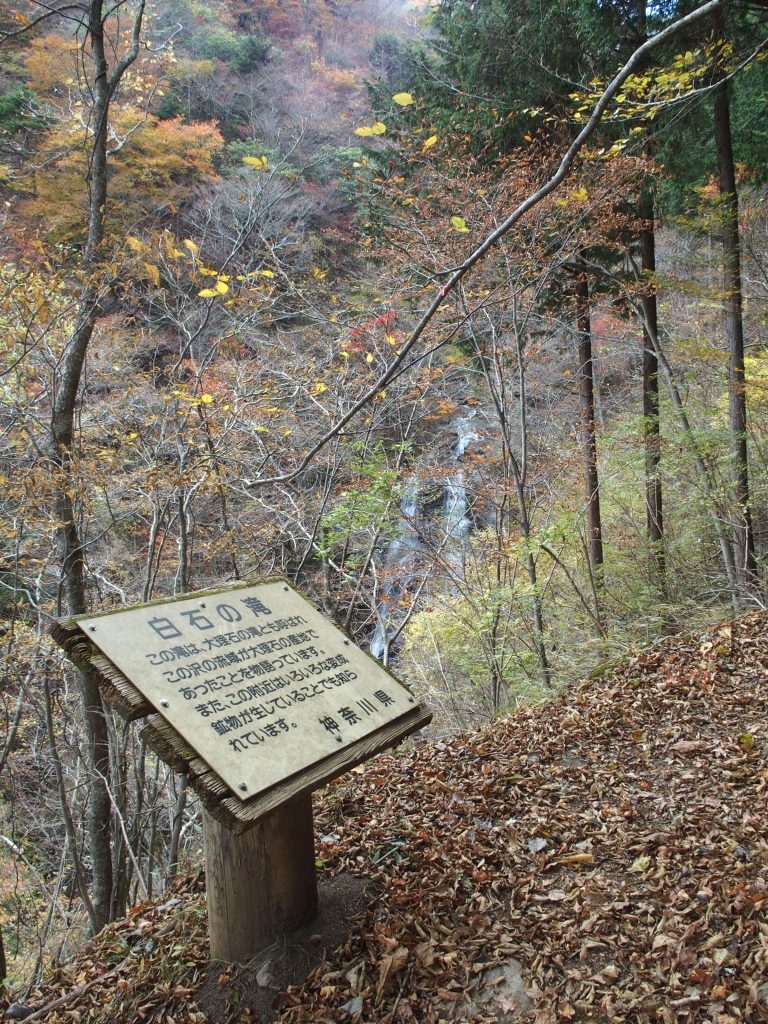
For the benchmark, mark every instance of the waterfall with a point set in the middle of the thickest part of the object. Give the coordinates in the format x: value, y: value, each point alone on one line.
x: 455, y: 506
x: 399, y: 564
x: 401, y: 557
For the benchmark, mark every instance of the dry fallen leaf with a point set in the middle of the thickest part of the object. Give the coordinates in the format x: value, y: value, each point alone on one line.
x: 389, y: 966
x: 577, y: 858
x: 462, y: 891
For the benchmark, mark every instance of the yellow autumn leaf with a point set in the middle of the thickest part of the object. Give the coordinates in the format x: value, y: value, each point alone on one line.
x: 261, y: 163
x: 319, y: 274
x: 222, y: 287
x: 379, y: 128
x: 153, y: 274
x: 318, y: 389
x: 457, y: 223
x: 266, y: 273
x: 579, y: 194
x: 369, y: 358
x: 206, y: 399
x: 193, y: 247
x: 403, y: 99
x: 364, y: 132
x: 224, y: 277
x: 135, y: 244
x: 208, y: 293
x: 429, y: 143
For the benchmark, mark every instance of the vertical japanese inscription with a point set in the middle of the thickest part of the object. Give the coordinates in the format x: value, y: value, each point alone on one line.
x: 255, y: 679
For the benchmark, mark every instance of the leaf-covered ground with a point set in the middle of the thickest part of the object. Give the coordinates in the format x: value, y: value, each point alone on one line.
x: 601, y: 858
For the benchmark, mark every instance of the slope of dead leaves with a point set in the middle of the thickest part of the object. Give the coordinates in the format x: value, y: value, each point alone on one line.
x: 611, y: 847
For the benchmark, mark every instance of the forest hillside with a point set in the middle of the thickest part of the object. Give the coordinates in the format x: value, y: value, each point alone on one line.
x: 453, y: 315
x: 602, y: 858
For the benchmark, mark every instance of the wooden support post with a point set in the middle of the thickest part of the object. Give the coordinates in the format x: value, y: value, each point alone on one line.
x: 260, y: 884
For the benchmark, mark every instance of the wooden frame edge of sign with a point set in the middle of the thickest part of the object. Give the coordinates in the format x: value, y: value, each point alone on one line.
x: 240, y: 816
x: 118, y: 691
x: 169, y: 745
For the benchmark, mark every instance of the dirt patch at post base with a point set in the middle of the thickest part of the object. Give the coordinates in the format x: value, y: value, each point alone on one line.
x: 232, y: 990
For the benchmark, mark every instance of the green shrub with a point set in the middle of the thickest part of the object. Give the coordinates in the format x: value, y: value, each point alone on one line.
x: 19, y: 112
x: 242, y: 54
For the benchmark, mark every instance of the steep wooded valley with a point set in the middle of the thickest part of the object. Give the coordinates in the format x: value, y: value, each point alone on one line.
x: 454, y: 315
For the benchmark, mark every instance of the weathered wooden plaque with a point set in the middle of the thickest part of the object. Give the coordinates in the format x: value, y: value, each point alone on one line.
x: 259, y: 700
x: 257, y: 681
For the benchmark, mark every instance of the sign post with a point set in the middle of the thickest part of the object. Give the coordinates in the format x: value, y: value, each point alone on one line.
x: 260, y: 699
x: 262, y: 883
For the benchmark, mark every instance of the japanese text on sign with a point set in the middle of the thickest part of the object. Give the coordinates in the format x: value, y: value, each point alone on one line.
x: 255, y: 679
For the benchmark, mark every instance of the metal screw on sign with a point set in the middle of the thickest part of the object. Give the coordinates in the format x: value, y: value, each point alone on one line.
x: 164, y: 704
x: 242, y: 786
x: 92, y: 629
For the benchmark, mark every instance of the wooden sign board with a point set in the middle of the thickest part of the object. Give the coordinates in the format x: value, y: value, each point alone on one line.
x: 250, y: 689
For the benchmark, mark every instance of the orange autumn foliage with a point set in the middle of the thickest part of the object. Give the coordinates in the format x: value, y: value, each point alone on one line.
x: 51, y: 65
x: 159, y: 166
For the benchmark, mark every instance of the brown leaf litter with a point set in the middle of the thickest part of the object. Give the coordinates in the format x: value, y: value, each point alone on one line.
x: 600, y: 858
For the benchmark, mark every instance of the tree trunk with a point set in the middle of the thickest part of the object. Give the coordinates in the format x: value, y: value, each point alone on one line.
x: 734, y: 327
x: 651, y: 422
x: 516, y: 471
x: 538, y: 612
x: 70, y: 542
x: 654, y: 513
x: 177, y: 822
x: 587, y: 420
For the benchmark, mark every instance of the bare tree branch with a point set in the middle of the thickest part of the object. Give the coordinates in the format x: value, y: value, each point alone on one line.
x: 517, y: 214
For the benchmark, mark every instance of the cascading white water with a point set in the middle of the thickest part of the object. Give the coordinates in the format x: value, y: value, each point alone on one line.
x: 401, y: 558
x: 456, y: 507
x: 399, y: 564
